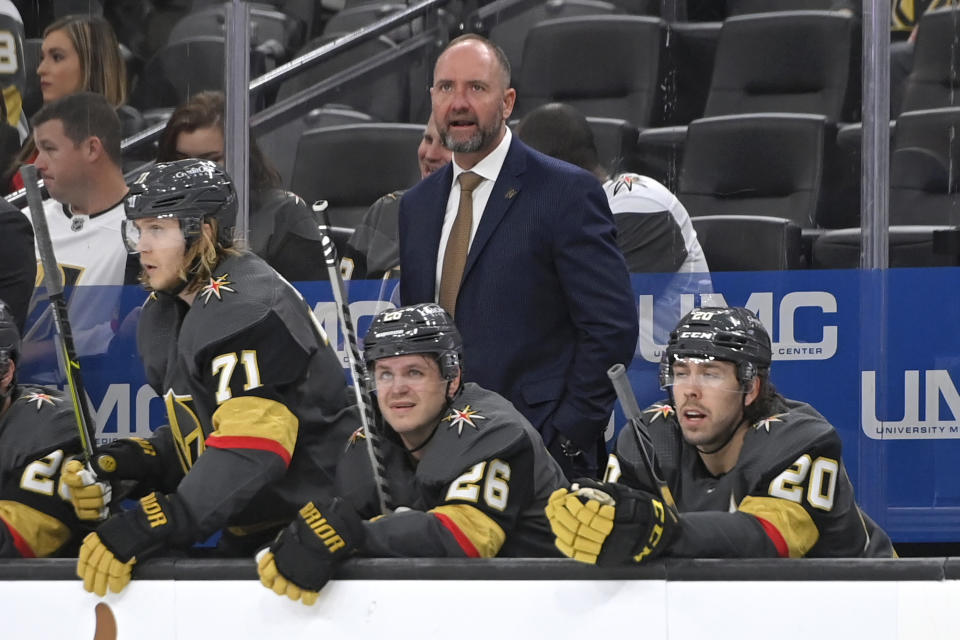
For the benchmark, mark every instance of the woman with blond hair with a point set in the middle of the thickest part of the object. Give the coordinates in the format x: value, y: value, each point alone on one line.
x: 78, y: 53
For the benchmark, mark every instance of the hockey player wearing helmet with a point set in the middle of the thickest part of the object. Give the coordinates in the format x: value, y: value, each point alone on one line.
x: 472, y: 471
x: 37, y: 435
x: 752, y: 473
x: 255, y: 396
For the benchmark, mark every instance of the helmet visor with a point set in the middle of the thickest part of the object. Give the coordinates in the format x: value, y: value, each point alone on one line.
x: 702, y: 372
x: 162, y: 232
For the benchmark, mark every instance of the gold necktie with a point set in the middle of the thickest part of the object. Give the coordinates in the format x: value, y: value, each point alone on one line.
x: 458, y: 243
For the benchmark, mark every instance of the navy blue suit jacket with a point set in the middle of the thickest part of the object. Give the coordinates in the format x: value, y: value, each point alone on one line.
x: 545, y: 306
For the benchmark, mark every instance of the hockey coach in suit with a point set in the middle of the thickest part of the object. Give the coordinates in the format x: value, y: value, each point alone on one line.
x: 521, y: 249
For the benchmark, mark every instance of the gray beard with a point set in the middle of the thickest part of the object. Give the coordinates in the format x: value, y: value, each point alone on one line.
x: 480, y: 140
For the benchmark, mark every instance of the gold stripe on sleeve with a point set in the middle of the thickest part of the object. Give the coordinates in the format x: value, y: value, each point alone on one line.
x: 485, y: 534
x: 44, y: 533
x: 254, y: 417
x: 791, y: 520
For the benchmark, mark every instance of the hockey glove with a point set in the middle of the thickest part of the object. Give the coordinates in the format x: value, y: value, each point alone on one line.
x: 308, y: 551
x: 127, y: 459
x: 90, y: 498
x: 609, y: 523
x: 108, y: 555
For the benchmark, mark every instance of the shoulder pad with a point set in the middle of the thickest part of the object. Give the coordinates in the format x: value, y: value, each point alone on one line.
x: 40, y: 420
x: 776, y: 441
x: 479, y: 425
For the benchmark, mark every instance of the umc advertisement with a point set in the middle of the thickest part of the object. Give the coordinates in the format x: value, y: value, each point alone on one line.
x: 877, y: 353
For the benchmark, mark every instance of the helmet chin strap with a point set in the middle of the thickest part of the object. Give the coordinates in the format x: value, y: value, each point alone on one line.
x: 737, y: 423
x: 439, y: 417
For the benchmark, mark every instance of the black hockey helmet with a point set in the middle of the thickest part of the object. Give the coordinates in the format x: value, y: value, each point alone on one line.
x: 733, y: 334
x: 189, y: 190
x: 9, y: 339
x: 422, y: 328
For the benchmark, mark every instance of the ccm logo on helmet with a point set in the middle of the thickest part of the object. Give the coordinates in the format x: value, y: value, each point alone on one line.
x: 812, y: 310
x: 704, y: 335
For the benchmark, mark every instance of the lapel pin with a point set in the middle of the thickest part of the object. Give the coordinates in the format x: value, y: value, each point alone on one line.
x: 511, y: 193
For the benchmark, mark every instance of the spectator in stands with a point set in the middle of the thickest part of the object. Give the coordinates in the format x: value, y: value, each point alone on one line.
x: 283, y: 230
x: 78, y: 142
x: 740, y: 471
x: 521, y: 249
x: 373, y: 250
x: 18, y: 269
x: 79, y: 53
x: 653, y: 228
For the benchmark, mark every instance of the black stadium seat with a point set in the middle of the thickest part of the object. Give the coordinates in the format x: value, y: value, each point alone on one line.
x: 605, y: 66
x: 934, y: 80
x: 749, y: 243
x: 910, y: 246
x: 767, y: 164
x: 350, y: 166
x: 181, y: 69
x: 925, y: 168
x: 511, y: 33
x: 276, y: 144
x: 786, y: 61
x: 385, y: 97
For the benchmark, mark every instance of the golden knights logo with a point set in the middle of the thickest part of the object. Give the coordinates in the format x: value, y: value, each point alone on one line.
x: 185, y: 427
x: 216, y: 287
x: 766, y: 422
x: 660, y: 411
x: 41, y: 399
x: 460, y: 417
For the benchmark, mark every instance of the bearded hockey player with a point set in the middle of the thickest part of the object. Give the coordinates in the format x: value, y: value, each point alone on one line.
x: 753, y: 474
x: 255, y: 396
x: 37, y: 434
x: 473, y: 472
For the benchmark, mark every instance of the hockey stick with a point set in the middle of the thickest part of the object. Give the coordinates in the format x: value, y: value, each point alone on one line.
x: 621, y: 384
x: 358, y: 370
x: 58, y: 304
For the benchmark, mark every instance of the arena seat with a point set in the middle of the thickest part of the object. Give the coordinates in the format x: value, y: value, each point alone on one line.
x: 749, y: 243
x: 386, y: 97
x: 616, y: 142
x: 352, y: 165
x: 276, y: 144
x: 925, y: 168
x: 769, y: 62
x: 605, y: 66
x: 740, y: 7
x: 511, y: 32
x: 352, y: 18
x: 934, y: 80
x: 266, y: 21
x: 768, y: 164
x: 180, y: 69
x: 910, y: 246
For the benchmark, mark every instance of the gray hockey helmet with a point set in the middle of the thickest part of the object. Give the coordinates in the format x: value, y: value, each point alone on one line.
x: 733, y: 334
x: 424, y: 328
x: 190, y: 190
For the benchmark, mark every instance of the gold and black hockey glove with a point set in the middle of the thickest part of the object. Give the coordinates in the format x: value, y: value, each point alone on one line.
x: 108, y: 554
x: 308, y: 551
x: 606, y: 523
x: 90, y: 497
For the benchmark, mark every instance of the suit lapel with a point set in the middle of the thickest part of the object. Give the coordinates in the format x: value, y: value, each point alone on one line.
x: 505, y: 191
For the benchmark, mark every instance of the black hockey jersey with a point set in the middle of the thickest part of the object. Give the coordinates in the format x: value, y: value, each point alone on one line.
x: 787, y: 495
x: 478, y: 490
x: 37, y: 435
x: 255, y: 396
